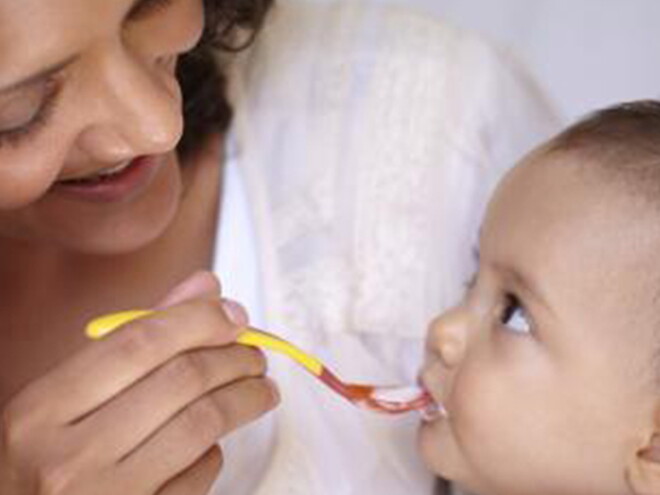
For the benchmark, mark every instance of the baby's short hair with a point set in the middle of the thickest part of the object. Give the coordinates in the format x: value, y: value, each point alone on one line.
x: 622, y: 140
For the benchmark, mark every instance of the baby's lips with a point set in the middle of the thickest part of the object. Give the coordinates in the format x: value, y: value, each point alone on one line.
x: 434, y: 409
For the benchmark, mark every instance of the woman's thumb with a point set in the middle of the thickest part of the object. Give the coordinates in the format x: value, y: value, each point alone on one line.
x: 199, y: 284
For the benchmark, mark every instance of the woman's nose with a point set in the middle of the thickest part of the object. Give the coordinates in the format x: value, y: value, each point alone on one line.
x: 137, y: 110
x: 448, y: 337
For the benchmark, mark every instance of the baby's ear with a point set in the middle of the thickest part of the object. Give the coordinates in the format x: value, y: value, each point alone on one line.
x: 643, y: 471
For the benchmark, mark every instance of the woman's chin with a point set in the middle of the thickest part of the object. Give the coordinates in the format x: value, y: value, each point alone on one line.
x: 107, y: 228
x: 116, y: 237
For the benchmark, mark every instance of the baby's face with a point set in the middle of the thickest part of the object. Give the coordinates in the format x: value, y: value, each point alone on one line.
x: 546, y: 367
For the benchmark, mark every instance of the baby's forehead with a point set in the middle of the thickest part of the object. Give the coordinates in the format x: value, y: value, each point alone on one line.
x: 624, y: 182
x: 586, y: 245
x: 581, y: 215
x: 559, y: 210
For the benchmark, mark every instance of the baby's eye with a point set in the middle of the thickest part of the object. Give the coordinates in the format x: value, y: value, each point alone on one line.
x: 514, y: 316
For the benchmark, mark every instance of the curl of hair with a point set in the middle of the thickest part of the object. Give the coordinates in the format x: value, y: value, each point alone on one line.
x: 230, y: 26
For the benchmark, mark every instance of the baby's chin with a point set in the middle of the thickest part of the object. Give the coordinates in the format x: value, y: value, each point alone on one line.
x: 433, y: 445
x: 440, y: 453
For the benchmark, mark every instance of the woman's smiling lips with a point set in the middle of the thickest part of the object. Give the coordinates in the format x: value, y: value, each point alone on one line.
x: 111, y: 184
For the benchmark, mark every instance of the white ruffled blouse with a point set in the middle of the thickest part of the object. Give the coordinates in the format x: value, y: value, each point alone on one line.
x: 366, y: 142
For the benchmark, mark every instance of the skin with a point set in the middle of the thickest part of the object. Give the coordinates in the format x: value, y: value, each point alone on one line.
x: 546, y: 368
x: 81, y: 417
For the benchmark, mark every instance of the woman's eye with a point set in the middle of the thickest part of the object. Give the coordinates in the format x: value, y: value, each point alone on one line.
x: 514, y: 316
x: 17, y: 112
x: 22, y: 116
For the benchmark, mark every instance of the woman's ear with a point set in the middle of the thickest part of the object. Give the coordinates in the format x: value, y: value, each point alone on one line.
x: 643, y: 470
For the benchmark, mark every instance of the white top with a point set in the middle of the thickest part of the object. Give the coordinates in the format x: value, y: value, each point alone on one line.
x: 367, y: 139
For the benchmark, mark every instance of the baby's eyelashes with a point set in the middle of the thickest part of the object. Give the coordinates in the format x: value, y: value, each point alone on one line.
x: 514, y: 317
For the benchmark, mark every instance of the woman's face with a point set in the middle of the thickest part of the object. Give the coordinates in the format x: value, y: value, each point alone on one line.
x: 90, y: 112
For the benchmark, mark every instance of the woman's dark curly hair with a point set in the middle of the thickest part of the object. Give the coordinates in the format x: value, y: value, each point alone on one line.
x: 230, y: 26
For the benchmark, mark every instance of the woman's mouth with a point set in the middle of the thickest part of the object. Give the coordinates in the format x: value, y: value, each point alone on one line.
x: 112, y: 184
x: 99, y: 175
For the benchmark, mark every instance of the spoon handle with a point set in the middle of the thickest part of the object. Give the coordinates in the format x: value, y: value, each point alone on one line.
x: 100, y: 327
x: 259, y: 338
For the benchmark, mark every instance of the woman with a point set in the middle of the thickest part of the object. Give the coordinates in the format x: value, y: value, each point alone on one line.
x: 94, y: 201
x: 98, y: 215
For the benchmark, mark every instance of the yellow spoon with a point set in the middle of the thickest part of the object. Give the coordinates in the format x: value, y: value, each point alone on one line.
x: 386, y: 399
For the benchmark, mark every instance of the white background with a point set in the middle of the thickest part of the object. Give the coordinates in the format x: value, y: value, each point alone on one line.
x: 585, y: 53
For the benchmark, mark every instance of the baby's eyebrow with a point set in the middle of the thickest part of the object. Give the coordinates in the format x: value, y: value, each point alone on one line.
x: 526, y: 283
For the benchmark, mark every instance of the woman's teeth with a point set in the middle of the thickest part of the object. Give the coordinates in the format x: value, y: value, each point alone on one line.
x: 114, y: 170
x: 100, y: 175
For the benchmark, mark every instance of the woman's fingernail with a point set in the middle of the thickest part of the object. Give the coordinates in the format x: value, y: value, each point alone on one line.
x: 275, y: 391
x: 235, y: 312
x: 195, y: 285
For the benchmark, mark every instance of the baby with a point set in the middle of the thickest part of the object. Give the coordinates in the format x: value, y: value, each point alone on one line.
x: 549, y: 369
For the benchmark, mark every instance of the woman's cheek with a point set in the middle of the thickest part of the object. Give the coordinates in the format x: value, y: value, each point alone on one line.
x: 180, y: 27
x: 27, y: 171
x: 195, y: 24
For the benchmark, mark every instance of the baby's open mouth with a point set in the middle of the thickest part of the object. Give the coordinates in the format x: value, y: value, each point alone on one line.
x: 435, y: 409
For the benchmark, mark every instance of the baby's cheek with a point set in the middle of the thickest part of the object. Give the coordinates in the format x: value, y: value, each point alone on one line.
x: 478, y: 412
x: 487, y: 422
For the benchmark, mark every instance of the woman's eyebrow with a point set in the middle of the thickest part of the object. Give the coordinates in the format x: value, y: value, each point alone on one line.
x: 47, y: 72
x: 135, y: 10
x: 135, y: 6
x: 39, y: 76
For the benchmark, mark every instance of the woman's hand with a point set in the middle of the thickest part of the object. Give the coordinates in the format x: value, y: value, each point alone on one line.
x: 139, y: 412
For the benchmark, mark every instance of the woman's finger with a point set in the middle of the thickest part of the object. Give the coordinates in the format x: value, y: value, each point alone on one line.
x: 103, y: 369
x: 138, y: 412
x: 198, y: 478
x: 198, y: 427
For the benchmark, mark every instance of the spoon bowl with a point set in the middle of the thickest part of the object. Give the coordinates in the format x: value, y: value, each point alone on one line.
x: 384, y: 399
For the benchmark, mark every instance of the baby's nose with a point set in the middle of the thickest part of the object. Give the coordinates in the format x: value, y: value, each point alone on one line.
x: 447, y: 338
